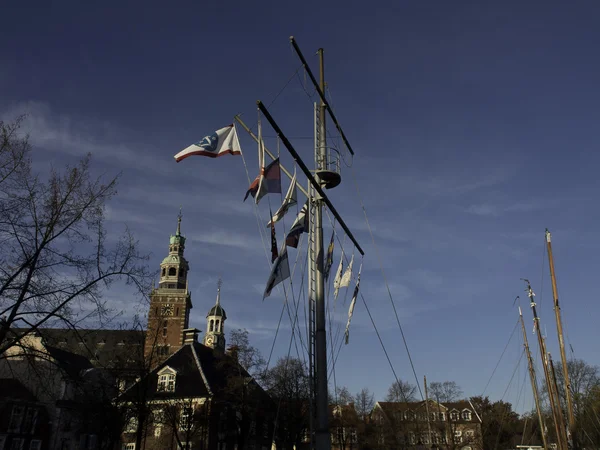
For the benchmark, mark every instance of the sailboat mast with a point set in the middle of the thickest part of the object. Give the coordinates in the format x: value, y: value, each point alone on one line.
x: 532, y: 376
x: 322, y: 434
x: 556, y: 412
x: 561, y: 341
x: 427, y: 409
x: 561, y: 419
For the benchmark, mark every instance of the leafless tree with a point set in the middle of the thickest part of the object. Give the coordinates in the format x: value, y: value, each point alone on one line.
x: 287, y: 383
x: 247, y: 355
x: 55, y: 258
x: 364, y: 402
x: 401, y: 391
x: 445, y: 391
x: 185, y: 420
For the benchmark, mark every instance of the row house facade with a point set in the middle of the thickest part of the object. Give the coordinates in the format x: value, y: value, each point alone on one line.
x: 426, y: 424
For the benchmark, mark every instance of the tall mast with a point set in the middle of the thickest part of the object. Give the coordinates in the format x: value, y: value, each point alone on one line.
x: 556, y: 412
x: 324, y: 177
x: 322, y: 434
x: 534, y: 389
x: 561, y: 341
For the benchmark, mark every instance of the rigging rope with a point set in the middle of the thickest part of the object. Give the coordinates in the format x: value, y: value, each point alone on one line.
x: 387, y: 285
x: 503, y: 351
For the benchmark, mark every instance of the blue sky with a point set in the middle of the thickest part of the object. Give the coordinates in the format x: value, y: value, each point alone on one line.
x: 474, y: 125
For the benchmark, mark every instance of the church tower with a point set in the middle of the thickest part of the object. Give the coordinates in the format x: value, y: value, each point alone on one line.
x: 170, y: 304
x: 215, y: 324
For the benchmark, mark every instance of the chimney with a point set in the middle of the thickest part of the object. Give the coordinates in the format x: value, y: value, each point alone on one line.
x: 190, y: 335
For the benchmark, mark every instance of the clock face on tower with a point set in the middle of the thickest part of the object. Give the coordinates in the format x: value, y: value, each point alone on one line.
x: 209, y: 340
x: 167, y: 310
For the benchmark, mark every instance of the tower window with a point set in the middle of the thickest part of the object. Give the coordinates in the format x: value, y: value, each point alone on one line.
x: 165, y: 328
x: 177, y: 311
x: 172, y: 271
x: 164, y: 272
x: 212, y: 325
x: 175, y: 248
x: 217, y: 327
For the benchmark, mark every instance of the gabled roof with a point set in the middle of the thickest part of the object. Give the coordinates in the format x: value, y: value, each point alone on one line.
x: 70, y: 362
x: 200, y: 372
x: 344, y: 411
x: 103, y: 348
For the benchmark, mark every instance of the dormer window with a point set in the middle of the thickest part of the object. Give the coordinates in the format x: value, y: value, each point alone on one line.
x: 466, y: 415
x: 166, y: 380
x: 454, y: 415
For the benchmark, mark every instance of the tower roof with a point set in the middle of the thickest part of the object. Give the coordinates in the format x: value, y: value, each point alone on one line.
x: 218, y: 310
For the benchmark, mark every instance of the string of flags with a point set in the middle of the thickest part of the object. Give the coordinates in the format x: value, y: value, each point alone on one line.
x: 225, y: 141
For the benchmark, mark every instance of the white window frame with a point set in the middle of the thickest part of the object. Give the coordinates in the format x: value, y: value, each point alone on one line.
x: 166, y: 380
x: 129, y: 446
x: 132, y: 425
x: 458, y: 436
x: 186, y: 417
x: 454, y: 415
x: 466, y: 415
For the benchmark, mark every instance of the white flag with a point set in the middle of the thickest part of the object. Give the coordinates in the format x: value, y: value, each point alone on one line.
x: 299, y: 226
x: 338, y: 277
x: 221, y: 142
x: 279, y: 272
x: 345, y: 282
x: 289, y: 200
x: 352, y: 304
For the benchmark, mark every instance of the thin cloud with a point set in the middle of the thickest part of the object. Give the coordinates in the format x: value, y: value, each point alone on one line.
x: 496, y: 210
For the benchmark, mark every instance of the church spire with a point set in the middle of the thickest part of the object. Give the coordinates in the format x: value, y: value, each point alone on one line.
x: 219, y: 283
x: 179, y: 223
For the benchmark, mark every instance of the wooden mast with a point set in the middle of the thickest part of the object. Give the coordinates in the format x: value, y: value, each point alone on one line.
x: 534, y: 388
x: 556, y: 412
x: 427, y: 410
x: 561, y: 341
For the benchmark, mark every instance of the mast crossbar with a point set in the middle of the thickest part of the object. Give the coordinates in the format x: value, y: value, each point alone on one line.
x: 308, y: 174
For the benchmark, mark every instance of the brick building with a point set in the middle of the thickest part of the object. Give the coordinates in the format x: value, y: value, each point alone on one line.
x: 452, y: 425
